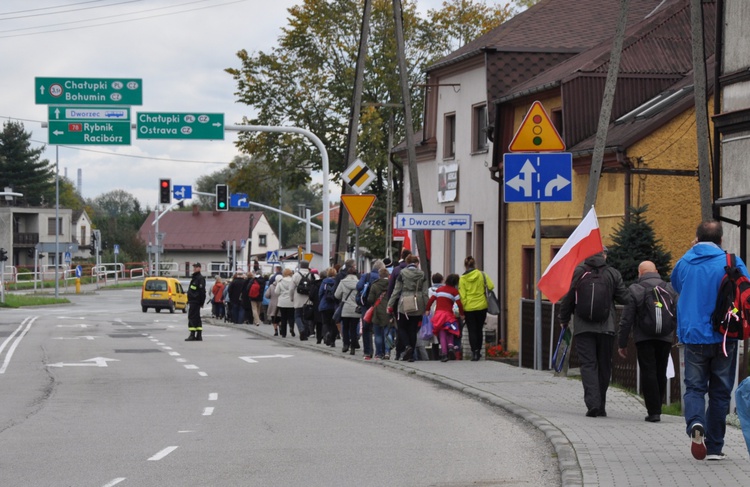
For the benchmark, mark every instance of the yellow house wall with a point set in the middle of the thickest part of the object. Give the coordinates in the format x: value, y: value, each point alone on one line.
x: 674, y: 204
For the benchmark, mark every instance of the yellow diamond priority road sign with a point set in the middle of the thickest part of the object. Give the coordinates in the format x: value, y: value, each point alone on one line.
x: 537, y: 133
x: 358, y: 176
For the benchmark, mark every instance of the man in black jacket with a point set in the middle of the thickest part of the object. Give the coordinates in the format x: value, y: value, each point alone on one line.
x: 594, y: 338
x: 653, y: 351
x: 196, y: 297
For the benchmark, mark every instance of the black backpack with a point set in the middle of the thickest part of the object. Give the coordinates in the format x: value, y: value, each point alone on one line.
x: 593, y: 295
x: 305, y: 283
x: 330, y: 292
x: 657, y: 315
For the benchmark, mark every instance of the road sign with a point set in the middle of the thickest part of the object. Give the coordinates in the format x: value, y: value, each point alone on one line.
x: 116, y: 249
x: 272, y: 257
x: 182, y: 192
x: 433, y: 221
x: 79, y: 271
x: 66, y: 257
x: 88, y: 91
x: 62, y: 113
x: 358, y: 176
x: 195, y: 126
x: 537, y: 133
x: 538, y: 177
x: 358, y: 205
x: 89, y: 133
x: 239, y: 200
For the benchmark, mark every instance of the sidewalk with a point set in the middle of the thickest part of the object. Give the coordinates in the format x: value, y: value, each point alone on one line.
x: 619, y: 450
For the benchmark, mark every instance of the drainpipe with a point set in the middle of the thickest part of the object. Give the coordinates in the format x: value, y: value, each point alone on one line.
x: 625, y: 162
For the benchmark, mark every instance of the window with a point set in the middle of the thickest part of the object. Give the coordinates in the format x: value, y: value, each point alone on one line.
x: 51, y: 226
x: 83, y: 235
x: 261, y: 240
x: 479, y: 128
x: 557, y: 121
x: 449, y: 137
x: 527, y: 273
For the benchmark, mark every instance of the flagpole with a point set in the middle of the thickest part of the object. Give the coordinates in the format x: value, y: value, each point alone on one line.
x: 538, y: 297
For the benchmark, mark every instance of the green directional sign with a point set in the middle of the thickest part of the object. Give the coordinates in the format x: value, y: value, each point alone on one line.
x: 89, y: 132
x: 195, y: 126
x: 88, y: 91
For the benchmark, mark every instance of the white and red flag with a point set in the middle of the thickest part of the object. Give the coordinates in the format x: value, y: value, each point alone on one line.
x: 584, y: 242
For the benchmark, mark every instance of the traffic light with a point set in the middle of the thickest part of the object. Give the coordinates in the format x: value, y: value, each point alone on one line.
x: 165, y: 191
x: 222, y: 197
x: 93, y: 244
x: 223, y: 245
x: 3, y: 255
x: 30, y: 252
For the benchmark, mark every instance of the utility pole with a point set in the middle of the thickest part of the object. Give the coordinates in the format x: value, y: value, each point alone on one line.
x: 609, y: 96
x: 351, y: 153
x: 403, y: 74
x: 701, y: 107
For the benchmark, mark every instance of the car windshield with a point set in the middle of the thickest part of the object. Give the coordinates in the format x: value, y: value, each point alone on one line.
x: 157, y: 285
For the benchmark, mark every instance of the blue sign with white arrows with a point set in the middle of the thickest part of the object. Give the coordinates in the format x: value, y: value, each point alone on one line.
x: 182, y: 192
x: 239, y: 200
x: 538, y: 177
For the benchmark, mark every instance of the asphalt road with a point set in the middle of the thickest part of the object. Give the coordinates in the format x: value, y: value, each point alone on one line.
x: 98, y: 393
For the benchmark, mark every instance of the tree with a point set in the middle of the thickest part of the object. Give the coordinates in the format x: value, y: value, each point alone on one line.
x: 634, y: 242
x: 22, y: 168
x: 307, y: 81
x: 118, y: 215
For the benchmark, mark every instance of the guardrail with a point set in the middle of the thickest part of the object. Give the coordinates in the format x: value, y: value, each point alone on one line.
x: 171, y: 269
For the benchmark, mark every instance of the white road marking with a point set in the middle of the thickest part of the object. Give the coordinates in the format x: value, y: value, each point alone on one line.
x: 29, y: 321
x: 92, y: 362
x: 114, y: 482
x: 191, y: 367
x: 186, y: 431
x: 161, y: 344
x: 251, y: 360
x: 213, y: 396
x: 203, y: 374
x: 208, y: 411
x: 85, y: 337
x: 174, y: 354
x: 73, y: 326
x: 181, y: 360
x: 163, y: 453
x: 166, y: 348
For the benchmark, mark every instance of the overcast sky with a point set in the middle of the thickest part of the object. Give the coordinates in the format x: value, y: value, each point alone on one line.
x: 179, y: 48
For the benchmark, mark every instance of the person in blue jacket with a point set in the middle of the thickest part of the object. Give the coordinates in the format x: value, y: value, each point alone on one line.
x: 708, y: 369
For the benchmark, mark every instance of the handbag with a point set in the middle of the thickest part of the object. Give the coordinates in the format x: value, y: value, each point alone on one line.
x: 426, y: 331
x: 409, y: 304
x: 493, y: 307
x: 371, y: 310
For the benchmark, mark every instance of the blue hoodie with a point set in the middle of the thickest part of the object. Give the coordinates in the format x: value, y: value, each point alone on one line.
x: 697, y: 277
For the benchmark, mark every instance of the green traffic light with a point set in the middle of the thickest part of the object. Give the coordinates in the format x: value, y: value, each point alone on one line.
x: 222, y: 205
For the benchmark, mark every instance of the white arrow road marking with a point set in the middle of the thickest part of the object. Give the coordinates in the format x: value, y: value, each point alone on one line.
x: 85, y: 337
x: 558, y: 183
x: 73, y: 326
x: 71, y: 317
x: 163, y: 453
x: 92, y: 362
x: 251, y: 360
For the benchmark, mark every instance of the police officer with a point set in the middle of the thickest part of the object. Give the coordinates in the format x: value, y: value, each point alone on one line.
x: 196, y: 297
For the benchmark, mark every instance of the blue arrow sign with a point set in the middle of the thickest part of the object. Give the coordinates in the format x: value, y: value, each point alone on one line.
x: 182, y: 192
x: 433, y: 221
x: 538, y: 177
x: 79, y: 271
x: 239, y: 200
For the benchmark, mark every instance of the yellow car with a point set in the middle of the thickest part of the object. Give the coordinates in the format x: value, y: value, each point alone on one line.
x: 163, y: 293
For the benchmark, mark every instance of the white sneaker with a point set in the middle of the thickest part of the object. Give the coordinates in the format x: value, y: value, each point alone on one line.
x: 716, y: 457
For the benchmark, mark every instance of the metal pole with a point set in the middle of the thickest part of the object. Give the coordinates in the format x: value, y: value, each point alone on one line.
x: 158, y: 239
x: 308, y: 243
x: 280, y: 217
x: 57, y: 220
x: 389, y: 192
x: 537, y: 276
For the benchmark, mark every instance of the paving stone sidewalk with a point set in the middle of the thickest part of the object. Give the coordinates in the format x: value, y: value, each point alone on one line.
x: 619, y: 450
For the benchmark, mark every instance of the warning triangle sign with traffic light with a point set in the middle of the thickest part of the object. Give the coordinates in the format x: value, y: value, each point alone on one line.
x: 537, y: 133
x: 358, y: 205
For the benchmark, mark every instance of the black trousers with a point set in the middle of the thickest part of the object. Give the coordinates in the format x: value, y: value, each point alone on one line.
x: 194, y: 317
x: 475, y: 325
x: 595, y: 356
x: 653, y: 357
x: 407, y: 332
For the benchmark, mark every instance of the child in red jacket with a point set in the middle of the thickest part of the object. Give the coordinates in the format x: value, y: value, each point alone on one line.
x: 444, y: 322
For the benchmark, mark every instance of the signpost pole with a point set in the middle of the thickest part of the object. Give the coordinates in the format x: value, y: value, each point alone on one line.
x: 538, y: 295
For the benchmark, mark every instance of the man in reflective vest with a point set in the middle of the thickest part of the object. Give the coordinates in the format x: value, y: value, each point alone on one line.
x: 196, y: 297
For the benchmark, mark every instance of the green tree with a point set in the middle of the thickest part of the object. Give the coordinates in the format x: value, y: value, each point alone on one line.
x: 634, y: 242
x: 22, y: 167
x: 307, y: 81
x: 118, y: 215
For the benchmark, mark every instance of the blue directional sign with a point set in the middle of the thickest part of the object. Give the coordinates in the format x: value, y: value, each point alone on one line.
x: 433, y: 221
x: 79, y: 271
x: 239, y: 200
x: 182, y: 192
x: 537, y: 177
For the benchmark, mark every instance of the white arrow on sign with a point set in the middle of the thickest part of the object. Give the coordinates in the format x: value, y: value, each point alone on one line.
x: 57, y: 132
x: 526, y: 182
x: 251, y: 360
x: 558, y: 183
x: 86, y: 337
x: 92, y: 362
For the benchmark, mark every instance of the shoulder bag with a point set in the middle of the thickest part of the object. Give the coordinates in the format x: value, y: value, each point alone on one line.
x: 493, y: 307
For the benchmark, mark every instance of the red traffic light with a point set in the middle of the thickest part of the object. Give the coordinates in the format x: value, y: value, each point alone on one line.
x: 164, y: 183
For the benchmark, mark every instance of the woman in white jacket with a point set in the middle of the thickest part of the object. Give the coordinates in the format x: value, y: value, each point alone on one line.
x: 285, y: 292
x: 346, y: 292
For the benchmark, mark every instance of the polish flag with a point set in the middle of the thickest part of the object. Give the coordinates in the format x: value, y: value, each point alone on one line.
x: 584, y: 242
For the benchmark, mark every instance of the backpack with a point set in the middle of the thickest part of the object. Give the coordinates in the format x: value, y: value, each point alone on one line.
x: 361, y: 297
x: 330, y: 292
x: 731, y: 316
x: 593, y: 295
x: 656, y: 315
x: 254, y: 291
x: 305, y: 283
